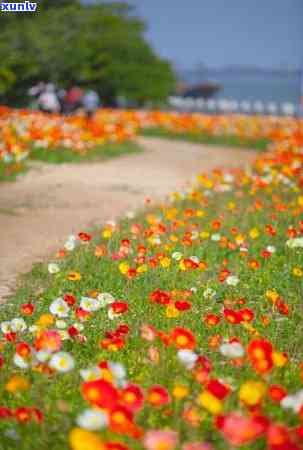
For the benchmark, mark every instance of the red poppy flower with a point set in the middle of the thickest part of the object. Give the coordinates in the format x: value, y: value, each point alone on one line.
x: 70, y: 299
x: 211, y: 319
x: 112, y: 344
x: 160, y: 297
x: 259, y: 349
x: 246, y: 315
x: 73, y: 331
x: 131, y: 273
x: 270, y: 230
x: 183, y: 338
x: 116, y: 446
x: 100, y: 393
x: 282, y: 307
x: 182, y: 305
x: 132, y: 397
x: 276, y: 392
x: 231, y: 316
x: 266, y: 254
x: 254, y: 264
x: 27, y: 309
x: 121, y: 421
x: 119, y: 307
x: 158, y: 396
x: 218, y: 389
x: 165, y: 338
x: 85, y: 237
x: 82, y: 314
x: 5, y: 413
x: 10, y: 337
x: 23, y: 414
x: 123, y: 329
x: 223, y: 275
x: 190, y: 264
x: 37, y: 414
x: 23, y: 349
x: 260, y: 353
x: 278, y: 437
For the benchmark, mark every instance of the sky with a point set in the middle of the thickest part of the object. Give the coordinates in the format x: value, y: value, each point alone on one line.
x: 266, y: 33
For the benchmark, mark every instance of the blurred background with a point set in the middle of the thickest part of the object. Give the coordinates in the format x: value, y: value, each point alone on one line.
x: 196, y: 55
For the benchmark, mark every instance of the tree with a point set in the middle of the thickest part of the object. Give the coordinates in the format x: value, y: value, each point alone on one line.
x: 98, y: 46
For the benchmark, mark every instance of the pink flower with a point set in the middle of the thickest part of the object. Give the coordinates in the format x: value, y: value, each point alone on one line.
x: 160, y: 440
x: 240, y: 430
x: 148, y: 332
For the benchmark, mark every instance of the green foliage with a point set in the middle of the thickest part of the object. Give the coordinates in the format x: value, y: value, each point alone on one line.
x: 98, y: 46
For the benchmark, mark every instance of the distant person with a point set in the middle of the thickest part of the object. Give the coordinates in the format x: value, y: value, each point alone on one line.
x: 34, y: 92
x: 48, y: 100
x: 90, y: 102
x: 61, y: 93
x: 72, y: 99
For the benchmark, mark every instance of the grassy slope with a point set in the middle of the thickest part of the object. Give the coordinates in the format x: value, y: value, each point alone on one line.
x: 103, y: 275
x: 203, y: 138
x: 9, y: 172
x: 106, y: 151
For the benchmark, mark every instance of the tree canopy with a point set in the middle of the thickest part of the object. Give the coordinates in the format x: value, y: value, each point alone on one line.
x: 96, y: 46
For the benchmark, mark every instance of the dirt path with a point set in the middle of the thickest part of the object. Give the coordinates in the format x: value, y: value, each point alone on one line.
x: 50, y: 202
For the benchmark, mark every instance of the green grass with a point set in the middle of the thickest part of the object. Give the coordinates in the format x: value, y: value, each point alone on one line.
x: 58, y: 396
x: 102, y: 152
x: 203, y: 138
x: 9, y: 172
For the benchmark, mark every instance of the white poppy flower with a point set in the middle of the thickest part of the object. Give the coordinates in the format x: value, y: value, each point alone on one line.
x: 91, y: 373
x: 118, y: 370
x: 89, y: 304
x: 18, y: 325
x: 20, y: 362
x: 6, y: 327
x: 209, y: 294
x: 105, y: 299
x: 62, y: 362
x: 43, y: 356
x: 59, y: 308
x: 92, y: 420
x: 70, y: 245
x: 232, y: 280
x: 187, y: 357
x: 271, y: 248
x: 53, y: 268
x: 177, y: 256
x: 195, y: 259
x: 232, y: 350
x: 215, y: 237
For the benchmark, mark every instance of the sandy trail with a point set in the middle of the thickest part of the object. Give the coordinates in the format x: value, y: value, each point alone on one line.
x: 50, y: 202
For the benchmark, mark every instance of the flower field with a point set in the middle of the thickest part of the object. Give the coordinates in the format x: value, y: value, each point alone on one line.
x: 177, y: 328
x: 53, y: 138
x: 25, y: 134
